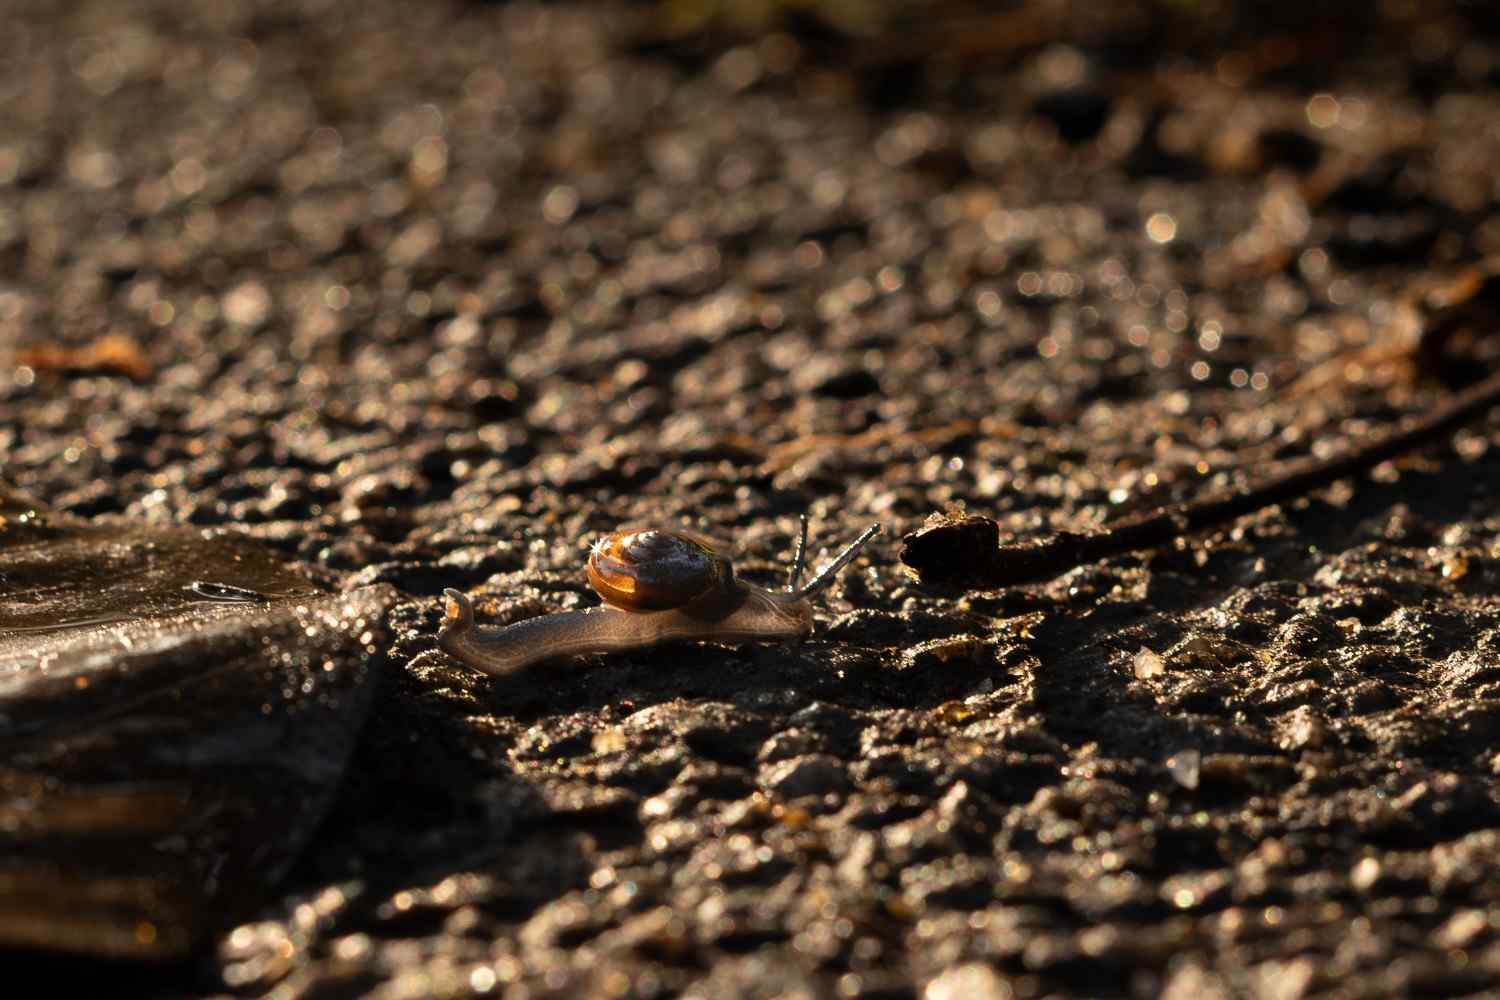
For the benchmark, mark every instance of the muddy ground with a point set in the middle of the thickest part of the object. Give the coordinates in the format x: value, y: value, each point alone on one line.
x: 432, y: 294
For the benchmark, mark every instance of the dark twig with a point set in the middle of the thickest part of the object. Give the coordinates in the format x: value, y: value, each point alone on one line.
x: 966, y: 551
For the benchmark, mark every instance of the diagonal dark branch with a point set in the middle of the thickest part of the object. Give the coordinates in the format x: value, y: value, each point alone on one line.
x: 966, y: 551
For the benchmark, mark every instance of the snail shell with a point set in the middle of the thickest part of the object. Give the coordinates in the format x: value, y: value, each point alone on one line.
x: 655, y: 570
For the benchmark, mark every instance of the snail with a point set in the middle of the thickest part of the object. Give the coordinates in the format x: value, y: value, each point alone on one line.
x: 658, y: 585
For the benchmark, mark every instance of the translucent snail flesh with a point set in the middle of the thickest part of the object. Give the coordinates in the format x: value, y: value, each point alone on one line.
x: 658, y: 586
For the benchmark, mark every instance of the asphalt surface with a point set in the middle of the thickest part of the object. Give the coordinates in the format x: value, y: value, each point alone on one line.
x: 431, y: 295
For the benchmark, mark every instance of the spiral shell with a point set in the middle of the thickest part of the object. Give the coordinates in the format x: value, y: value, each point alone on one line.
x: 654, y: 570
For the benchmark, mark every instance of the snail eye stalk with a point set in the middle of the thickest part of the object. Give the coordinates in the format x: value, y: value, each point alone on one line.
x: 826, y: 573
x: 799, y: 558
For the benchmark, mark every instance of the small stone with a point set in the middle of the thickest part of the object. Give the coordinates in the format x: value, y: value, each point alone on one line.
x: 1365, y: 874
x: 1309, y: 634
x: 1455, y: 566
x: 1196, y: 652
x: 787, y: 744
x: 1303, y: 729
x: 1148, y: 664
x: 611, y: 740
x: 836, y: 381
x: 247, y: 304
x: 955, y: 713
x: 1245, y: 771
x: 962, y: 650
x: 1284, y: 980
x: 1186, y: 766
x: 812, y: 774
x: 1192, y: 981
x: 973, y: 981
x: 1461, y: 929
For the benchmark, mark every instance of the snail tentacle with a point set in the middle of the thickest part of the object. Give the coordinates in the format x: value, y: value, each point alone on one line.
x: 799, y: 556
x: 825, y: 574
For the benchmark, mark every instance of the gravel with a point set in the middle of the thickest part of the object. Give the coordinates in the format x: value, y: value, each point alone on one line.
x: 429, y: 295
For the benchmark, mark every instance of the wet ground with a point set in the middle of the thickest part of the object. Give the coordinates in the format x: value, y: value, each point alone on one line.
x: 429, y: 295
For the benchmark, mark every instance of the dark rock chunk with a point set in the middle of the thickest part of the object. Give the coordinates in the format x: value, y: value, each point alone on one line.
x: 952, y: 549
x: 176, y: 710
x: 1078, y: 113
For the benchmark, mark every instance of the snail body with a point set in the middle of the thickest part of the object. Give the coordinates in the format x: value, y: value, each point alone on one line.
x: 658, y: 586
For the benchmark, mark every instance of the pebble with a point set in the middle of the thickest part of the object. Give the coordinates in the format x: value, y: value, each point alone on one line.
x: 1185, y: 766
x: 971, y: 981
x: 1148, y: 664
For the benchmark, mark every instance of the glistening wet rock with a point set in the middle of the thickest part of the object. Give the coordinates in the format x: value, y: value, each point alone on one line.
x: 176, y: 710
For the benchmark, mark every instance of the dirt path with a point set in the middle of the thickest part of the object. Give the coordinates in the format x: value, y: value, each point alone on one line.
x: 432, y: 294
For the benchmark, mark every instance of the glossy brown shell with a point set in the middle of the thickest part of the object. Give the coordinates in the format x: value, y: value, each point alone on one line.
x: 653, y: 570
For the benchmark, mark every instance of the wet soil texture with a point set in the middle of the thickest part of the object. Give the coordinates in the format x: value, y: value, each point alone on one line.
x: 431, y: 294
